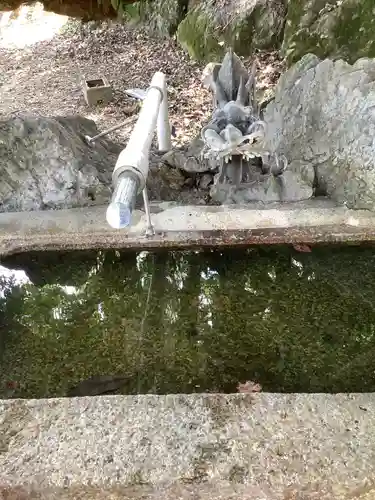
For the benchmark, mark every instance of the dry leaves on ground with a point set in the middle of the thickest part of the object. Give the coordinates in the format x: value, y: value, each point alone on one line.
x: 46, y: 77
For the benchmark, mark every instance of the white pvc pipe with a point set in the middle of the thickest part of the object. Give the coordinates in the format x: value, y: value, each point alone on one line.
x: 163, y: 126
x: 131, y: 170
x: 135, y: 157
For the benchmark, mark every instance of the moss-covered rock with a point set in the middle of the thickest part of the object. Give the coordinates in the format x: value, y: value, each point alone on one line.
x: 210, y: 28
x: 338, y: 29
x: 160, y: 16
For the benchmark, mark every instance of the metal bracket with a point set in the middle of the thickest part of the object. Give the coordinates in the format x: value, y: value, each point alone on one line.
x: 150, y: 231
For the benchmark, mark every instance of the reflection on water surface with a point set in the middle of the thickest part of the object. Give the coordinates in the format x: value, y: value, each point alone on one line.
x: 188, y: 322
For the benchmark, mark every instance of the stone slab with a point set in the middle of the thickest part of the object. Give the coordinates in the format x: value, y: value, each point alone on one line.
x: 204, y: 446
x: 186, y: 227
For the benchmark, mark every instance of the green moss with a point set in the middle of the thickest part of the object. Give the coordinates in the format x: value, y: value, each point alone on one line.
x: 249, y: 32
x: 329, y: 30
x: 241, y: 36
x: 255, y: 31
x: 130, y: 12
x: 354, y: 33
x: 198, y: 36
x: 299, y: 36
x: 160, y: 16
x: 205, y: 33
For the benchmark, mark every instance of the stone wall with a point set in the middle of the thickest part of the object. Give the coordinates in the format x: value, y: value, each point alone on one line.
x: 322, y: 115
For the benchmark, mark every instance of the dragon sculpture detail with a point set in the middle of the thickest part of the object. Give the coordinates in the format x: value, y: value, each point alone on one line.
x: 235, y: 136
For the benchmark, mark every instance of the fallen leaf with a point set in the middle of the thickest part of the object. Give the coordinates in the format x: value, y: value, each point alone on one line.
x: 249, y: 387
x: 300, y: 247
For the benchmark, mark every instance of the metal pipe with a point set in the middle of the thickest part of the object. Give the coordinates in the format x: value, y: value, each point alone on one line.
x: 91, y: 140
x: 120, y: 210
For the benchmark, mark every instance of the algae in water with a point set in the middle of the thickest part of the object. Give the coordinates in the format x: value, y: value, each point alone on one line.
x: 187, y: 322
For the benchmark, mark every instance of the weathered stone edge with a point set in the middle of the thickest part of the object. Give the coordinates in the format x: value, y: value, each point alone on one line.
x: 184, y: 227
x: 299, y: 446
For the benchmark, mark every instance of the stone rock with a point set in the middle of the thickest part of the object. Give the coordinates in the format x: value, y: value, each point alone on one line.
x: 329, y: 28
x: 173, y: 177
x: 205, y: 181
x: 168, y: 183
x: 291, y: 186
x: 178, y: 158
x: 208, y: 30
x: 189, y: 159
x: 189, y: 182
x: 207, y: 74
x: 162, y: 17
x: 46, y: 163
x: 323, y: 114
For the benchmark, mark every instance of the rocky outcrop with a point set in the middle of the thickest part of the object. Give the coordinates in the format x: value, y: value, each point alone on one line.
x: 338, y: 29
x: 162, y: 17
x: 46, y: 163
x: 332, y: 28
x: 210, y: 27
x: 206, y: 28
x: 324, y: 115
x: 168, y: 180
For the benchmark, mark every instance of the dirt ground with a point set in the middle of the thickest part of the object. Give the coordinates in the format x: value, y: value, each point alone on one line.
x: 44, y: 76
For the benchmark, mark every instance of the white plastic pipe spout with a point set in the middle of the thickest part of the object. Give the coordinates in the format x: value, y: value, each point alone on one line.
x: 131, y: 169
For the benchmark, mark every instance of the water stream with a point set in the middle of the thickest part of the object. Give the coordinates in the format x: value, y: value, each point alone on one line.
x: 182, y: 322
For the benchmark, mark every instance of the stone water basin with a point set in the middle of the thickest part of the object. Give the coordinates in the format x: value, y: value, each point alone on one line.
x: 193, y: 334
x: 247, y: 374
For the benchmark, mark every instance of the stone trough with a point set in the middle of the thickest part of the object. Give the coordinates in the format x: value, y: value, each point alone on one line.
x: 186, y: 227
x: 219, y: 447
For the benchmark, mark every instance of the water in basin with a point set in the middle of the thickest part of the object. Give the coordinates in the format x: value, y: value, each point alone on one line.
x: 183, y: 322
